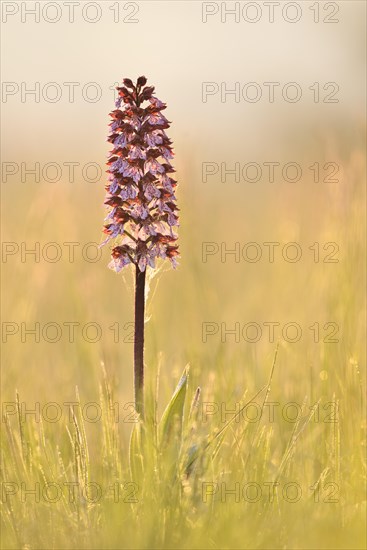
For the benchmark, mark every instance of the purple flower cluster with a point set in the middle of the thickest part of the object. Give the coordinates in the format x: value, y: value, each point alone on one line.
x: 140, y: 191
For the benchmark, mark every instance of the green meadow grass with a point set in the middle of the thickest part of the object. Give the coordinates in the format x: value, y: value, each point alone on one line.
x: 221, y: 483
x: 200, y: 473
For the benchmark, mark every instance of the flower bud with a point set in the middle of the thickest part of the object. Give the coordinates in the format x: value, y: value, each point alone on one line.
x: 142, y: 81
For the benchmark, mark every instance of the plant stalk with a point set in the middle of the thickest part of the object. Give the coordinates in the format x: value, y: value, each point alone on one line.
x: 139, y: 341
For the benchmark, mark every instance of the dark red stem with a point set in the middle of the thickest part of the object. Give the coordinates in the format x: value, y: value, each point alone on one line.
x: 139, y: 340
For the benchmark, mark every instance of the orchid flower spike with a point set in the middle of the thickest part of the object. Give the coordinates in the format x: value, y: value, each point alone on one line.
x: 142, y: 211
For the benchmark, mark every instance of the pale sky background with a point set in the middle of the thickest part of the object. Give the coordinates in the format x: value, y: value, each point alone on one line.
x: 177, y: 52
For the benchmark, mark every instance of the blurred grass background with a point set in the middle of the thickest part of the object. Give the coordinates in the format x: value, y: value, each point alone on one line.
x: 305, y: 292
